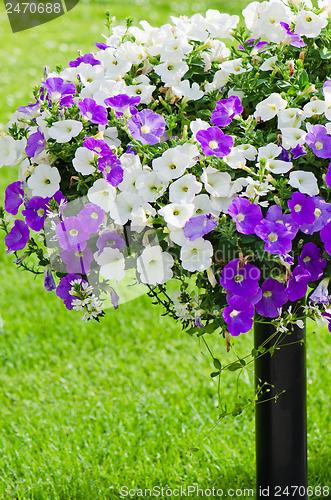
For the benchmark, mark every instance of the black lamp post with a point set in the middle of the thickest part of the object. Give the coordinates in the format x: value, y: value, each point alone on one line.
x: 281, y: 429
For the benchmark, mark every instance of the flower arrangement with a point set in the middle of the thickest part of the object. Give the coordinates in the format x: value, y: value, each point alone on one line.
x: 176, y: 162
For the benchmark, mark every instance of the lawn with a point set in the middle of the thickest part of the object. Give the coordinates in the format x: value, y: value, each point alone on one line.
x: 88, y: 408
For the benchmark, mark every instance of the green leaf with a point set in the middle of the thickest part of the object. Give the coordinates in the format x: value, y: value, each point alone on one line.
x: 217, y: 364
x: 325, y: 53
x: 303, y: 78
x: 214, y: 374
x: 254, y: 353
x: 234, y: 366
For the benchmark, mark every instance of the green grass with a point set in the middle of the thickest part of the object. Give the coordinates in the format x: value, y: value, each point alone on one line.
x: 88, y: 408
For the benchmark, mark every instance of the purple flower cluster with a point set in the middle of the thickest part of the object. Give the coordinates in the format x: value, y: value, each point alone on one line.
x: 108, y: 163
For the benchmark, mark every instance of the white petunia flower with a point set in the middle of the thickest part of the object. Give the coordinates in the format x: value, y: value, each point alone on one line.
x: 221, y: 78
x: 304, y: 181
x: 141, y: 87
x: 269, y: 152
x: 154, y: 266
x: 220, y: 24
x: 65, y: 130
x: 142, y: 217
x: 197, y: 125
x: 11, y: 151
x: 269, y: 64
x: 269, y: 107
x: 177, y: 235
x: 309, y: 24
x: 279, y: 166
x: 290, y: 117
x: 130, y: 176
x: 235, y: 66
x: 130, y: 51
x: 196, y: 255
x: 183, y: 190
x: 269, y: 19
x: 173, y: 51
x: 235, y: 159
x: 203, y: 206
x: 102, y: 194
x: 171, y: 165
x: 248, y: 151
x: 44, y: 181
x: 291, y: 137
x: 183, y: 89
x: 110, y: 136
x: 171, y: 73
x: 150, y: 187
x: 216, y: 183
x: 315, y: 107
x: 124, y: 205
x: 88, y: 73
x: 111, y: 262
x: 177, y: 214
x: 83, y: 161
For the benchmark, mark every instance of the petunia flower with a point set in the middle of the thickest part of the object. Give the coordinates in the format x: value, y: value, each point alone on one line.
x: 242, y: 281
x: 311, y: 260
x: 274, y: 296
x: 302, y: 208
x: 225, y: 110
x: 321, y: 293
x: 215, y: 142
x: 199, y: 226
x: 298, y: 283
x: 35, y: 212
x: 246, y: 214
x: 147, y: 127
x: 94, y: 113
x: 238, y: 315
x: 14, y: 195
x: 319, y: 141
x: 18, y: 236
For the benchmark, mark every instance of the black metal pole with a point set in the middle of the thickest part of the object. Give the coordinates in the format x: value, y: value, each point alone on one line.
x: 281, y: 427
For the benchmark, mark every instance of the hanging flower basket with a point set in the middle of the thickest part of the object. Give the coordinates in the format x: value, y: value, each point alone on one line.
x: 170, y: 162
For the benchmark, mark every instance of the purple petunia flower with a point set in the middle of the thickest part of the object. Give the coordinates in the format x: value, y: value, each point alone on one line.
x: 30, y: 109
x: 77, y: 262
x: 96, y: 145
x: 321, y: 293
x: 101, y: 45
x: 18, y: 236
x: 123, y: 104
x: 147, y: 127
x: 293, y: 39
x: 93, y: 112
x: 284, y: 155
x: 36, y: 144
x: 110, y: 239
x: 253, y: 300
x: 215, y: 142
x: 274, y: 214
x: 322, y: 214
x: 49, y: 282
x: 325, y: 236
x: 198, y: 226
x: 311, y: 260
x: 14, y: 195
x: 298, y: 283
x: 86, y: 58
x: 243, y: 282
x: 35, y: 212
x: 238, y: 315
x: 111, y: 168
x: 274, y: 296
x: 60, y: 91
x: 298, y: 151
x: 328, y: 176
x: 91, y: 216
x: 327, y: 315
x: 319, y: 141
x: 277, y: 238
x: 65, y: 286
x: 72, y: 235
x: 302, y: 208
x: 225, y: 110
x: 246, y: 214
x: 252, y: 43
